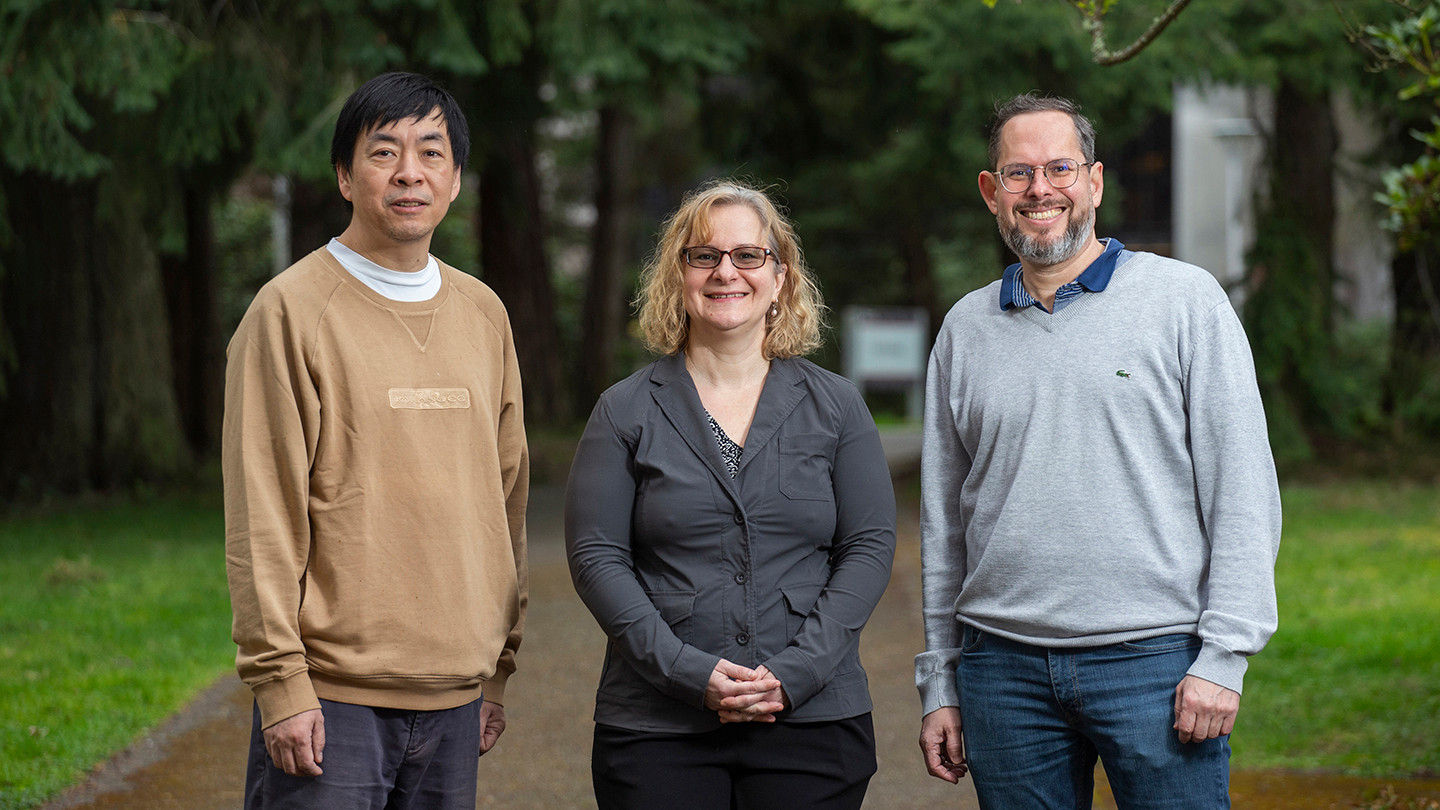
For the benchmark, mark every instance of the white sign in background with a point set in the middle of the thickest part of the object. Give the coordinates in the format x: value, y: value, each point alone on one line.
x: 887, y: 345
x: 886, y: 348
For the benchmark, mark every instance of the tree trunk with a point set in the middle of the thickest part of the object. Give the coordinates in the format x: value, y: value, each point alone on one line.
x: 140, y: 436
x: 512, y: 253
x: 196, y: 355
x: 1410, y: 398
x: 90, y: 401
x: 49, y: 401
x: 1290, y: 309
x: 505, y: 106
x: 1303, y: 161
x: 920, y: 276
x: 614, y: 213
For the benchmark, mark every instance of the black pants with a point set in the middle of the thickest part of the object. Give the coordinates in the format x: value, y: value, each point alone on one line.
x: 740, y: 766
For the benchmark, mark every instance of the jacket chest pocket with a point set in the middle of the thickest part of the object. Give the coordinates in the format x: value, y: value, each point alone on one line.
x: 805, y: 464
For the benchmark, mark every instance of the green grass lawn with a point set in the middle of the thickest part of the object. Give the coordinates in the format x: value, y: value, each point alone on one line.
x: 111, y: 617
x: 1351, y: 682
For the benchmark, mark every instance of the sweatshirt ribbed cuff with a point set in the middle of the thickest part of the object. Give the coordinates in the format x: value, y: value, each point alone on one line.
x: 284, y: 697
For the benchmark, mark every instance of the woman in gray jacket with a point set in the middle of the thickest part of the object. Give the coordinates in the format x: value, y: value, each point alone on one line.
x: 730, y: 523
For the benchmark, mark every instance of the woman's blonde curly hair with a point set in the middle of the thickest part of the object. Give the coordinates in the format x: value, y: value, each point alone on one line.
x: 795, y: 331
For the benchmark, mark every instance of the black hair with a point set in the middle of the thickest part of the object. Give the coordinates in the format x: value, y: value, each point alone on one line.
x: 392, y: 97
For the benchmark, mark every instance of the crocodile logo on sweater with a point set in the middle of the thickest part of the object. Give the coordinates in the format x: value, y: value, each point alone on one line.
x: 1123, y: 373
x: 429, y: 399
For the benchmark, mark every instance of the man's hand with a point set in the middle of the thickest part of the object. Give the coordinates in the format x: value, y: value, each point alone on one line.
x: 492, y: 725
x: 742, y: 694
x: 297, y: 744
x: 940, y: 741
x: 1203, y: 709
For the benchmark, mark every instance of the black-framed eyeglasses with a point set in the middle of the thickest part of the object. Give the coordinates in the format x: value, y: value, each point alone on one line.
x: 1061, y: 173
x: 744, y: 257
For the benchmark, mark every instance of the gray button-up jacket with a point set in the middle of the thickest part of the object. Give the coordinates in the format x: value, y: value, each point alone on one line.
x: 681, y: 565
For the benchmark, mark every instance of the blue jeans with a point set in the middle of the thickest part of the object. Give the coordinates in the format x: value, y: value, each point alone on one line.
x: 1035, y: 719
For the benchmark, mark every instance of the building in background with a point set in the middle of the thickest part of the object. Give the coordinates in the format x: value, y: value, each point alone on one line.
x: 1188, y: 188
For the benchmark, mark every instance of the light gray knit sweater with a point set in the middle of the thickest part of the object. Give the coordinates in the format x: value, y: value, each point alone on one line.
x: 1099, y: 475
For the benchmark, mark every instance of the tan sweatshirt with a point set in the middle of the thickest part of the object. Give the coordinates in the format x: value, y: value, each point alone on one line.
x: 376, y: 475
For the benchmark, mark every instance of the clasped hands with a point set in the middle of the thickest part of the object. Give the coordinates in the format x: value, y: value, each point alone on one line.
x: 743, y: 695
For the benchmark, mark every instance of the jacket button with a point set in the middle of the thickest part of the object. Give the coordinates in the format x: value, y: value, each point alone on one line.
x: 740, y: 578
x: 739, y: 518
x: 743, y: 638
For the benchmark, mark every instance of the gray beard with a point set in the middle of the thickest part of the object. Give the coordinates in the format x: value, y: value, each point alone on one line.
x: 1032, y: 250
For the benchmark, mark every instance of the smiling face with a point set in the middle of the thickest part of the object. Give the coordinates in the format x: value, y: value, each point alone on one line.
x: 723, y: 302
x: 1043, y: 225
x: 401, y: 182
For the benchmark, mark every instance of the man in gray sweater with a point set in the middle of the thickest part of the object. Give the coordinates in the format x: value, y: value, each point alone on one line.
x: 1100, y: 515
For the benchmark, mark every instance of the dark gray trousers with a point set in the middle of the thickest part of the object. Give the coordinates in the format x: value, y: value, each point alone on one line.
x: 376, y: 759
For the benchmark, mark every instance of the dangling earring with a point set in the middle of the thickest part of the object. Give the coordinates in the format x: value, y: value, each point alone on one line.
x: 774, y: 311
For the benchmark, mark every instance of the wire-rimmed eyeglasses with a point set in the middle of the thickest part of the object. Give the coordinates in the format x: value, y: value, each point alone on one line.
x: 744, y: 257
x: 1060, y: 173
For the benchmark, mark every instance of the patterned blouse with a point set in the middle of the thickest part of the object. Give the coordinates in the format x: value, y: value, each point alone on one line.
x: 729, y: 450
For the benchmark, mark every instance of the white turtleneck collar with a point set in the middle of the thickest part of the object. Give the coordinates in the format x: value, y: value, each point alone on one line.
x: 421, y: 285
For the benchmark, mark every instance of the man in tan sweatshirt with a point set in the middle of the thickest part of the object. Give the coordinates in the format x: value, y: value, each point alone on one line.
x: 376, y: 476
